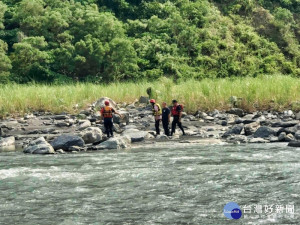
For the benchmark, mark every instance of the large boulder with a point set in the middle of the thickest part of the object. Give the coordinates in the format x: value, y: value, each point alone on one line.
x: 91, y: 135
x: 251, y: 128
x: 100, y: 103
x: 264, y: 132
x: 64, y: 142
x: 236, y: 129
x: 294, y: 144
x: 137, y: 135
x: 115, y: 143
x: 39, y: 146
x: 9, y: 141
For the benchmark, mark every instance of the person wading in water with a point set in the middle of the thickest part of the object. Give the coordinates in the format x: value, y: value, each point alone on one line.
x: 177, y: 113
x: 107, y: 114
x: 156, y: 109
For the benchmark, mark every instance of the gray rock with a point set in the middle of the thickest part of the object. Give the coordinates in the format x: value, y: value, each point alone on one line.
x: 9, y: 141
x: 289, y: 137
x: 297, y: 135
x: 62, y: 124
x: 144, y: 100
x: 202, y: 115
x: 273, y: 139
x: 84, y: 124
x: 215, y: 113
x: 238, y: 120
x: 251, y: 128
x: 75, y: 149
x: 91, y: 135
x: 137, y: 135
x: 65, y: 141
x: 183, y: 114
x: 294, y: 144
x: 100, y: 103
x: 115, y: 143
x: 258, y: 140
x: 223, y: 123
x: 264, y: 132
x: 289, y: 130
x: 261, y: 118
x: 209, y: 118
x: 236, y: 111
x: 230, y: 119
x: 60, y: 117
x: 248, y: 117
x: 288, y: 113
x: 282, y: 136
x: 285, y: 124
x: 191, y: 118
x: 60, y: 151
x: 162, y: 137
x: 236, y: 129
x: 29, y: 116
x: 39, y: 146
x: 85, y: 112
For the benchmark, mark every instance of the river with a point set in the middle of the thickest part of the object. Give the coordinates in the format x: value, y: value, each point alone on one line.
x: 169, y: 185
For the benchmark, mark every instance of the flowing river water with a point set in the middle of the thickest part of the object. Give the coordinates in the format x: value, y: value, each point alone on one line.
x: 170, y: 185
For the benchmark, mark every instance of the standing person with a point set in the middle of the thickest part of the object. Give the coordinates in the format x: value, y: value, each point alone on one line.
x: 156, y: 109
x: 166, y: 114
x: 107, y: 114
x: 177, y: 113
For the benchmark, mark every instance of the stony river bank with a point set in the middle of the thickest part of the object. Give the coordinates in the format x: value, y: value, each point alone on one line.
x: 47, y: 133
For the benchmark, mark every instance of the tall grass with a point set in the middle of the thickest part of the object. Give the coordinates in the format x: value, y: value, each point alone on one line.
x: 267, y: 92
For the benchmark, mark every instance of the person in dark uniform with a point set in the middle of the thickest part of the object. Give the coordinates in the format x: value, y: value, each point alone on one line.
x: 107, y: 114
x: 166, y: 114
x: 176, y: 113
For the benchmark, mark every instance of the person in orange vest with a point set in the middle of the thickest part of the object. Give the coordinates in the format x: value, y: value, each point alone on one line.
x: 176, y: 113
x: 156, y: 109
x: 107, y: 114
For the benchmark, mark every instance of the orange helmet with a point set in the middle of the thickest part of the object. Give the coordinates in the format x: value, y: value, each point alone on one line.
x: 152, y: 101
x: 106, y: 102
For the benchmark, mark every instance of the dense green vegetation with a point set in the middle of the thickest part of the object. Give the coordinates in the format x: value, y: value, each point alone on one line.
x: 112, y: 40
x: 261, y: 93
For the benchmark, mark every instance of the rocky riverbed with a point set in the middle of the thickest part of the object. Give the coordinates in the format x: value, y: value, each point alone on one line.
x: 47, y: 133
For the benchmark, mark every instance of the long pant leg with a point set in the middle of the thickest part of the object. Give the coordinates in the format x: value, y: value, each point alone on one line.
x: 111, y: 128
x: 166, y: 127
x: 180, y: 126
x: 175, y: 119
x: 157, y: 127
x: 106, y: 125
